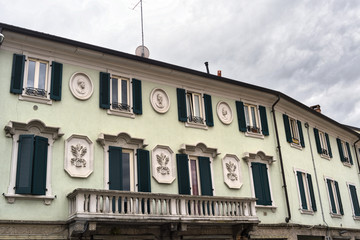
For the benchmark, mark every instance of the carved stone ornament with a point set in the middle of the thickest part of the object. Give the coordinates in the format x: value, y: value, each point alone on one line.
x: 224, y: 112
x: 81, y: 86
x: 78, y: 156
x: 163, y: 164
x: 231, y: 171
x: 159, y: 100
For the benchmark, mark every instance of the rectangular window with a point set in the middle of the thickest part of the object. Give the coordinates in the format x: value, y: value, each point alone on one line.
x: 194, y: 105
x: 120, y: 94
x: 194, y: 176
x: 354, y: 201
x: 294, y: 131
x: 252, y: 118
x: 345, y: 152
x: 323, y: 144
x: 306, y: 191
x: 36, y: 81
x: 334, y: 197
x: 121, y: 169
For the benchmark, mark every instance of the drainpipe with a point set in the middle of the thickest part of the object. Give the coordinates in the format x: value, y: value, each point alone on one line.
x: 287, y: 219
x: 356, y: 154
x: 316, y: 178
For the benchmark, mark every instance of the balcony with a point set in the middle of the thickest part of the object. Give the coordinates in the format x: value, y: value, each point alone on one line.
x: 96, y: 207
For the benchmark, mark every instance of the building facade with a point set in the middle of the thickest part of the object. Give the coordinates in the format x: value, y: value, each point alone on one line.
x: 99, y: 144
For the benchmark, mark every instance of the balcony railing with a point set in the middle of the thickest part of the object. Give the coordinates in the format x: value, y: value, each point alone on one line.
x: 91, y: 203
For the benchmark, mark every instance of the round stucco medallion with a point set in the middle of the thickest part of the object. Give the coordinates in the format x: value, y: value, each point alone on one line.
x: 81, y: 86
x: 159, y: 100
x: 224, y: 112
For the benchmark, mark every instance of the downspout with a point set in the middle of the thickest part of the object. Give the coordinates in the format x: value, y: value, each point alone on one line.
x: 356, y: 154
x: 287, y: 219
x: 316, y: 178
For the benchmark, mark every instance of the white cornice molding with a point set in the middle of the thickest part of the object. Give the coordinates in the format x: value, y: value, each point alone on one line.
x: 199, y: 147
x: 104, y: 138
x: 247, y: 156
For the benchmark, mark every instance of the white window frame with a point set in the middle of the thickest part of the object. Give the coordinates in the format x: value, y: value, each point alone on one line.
x: 37, y: 128
x: 189, y: 123
x: 196, y: 159
x: 351, y: 200
x: 338, y: 213
x: 306, y: 189
x: 260, y: 157
x: 323, y: 144
x: 249, y: 122
x: 345, y: 153
x: 37, y: 59
x: 115, y: 111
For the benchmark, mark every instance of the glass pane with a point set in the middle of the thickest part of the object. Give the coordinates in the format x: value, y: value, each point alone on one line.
x: 31, y: 74
x: 124, y: 92
x: 114, y: 90
x: 189, y: 104
x: 42, y: 76
x: 246, y: 111
x: 253, y: 116
x: 194, y: 178
x: 197, y: 105
x: 126, y: 171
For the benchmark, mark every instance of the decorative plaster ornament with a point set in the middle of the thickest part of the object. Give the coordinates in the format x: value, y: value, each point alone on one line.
x: 224, y: 112
x: 81, y: 86
x: 231, y: 171
x: 163, y: 168
x: 159, y: 100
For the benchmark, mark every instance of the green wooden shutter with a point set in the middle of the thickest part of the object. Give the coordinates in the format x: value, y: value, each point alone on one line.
x: 205, y: 176
x: 331, y: 195
x: 317, y: 140
x: 143, y: 170
x: 241, y: 116
x: 261, y: 183
x: 40, y: 166
x: 339, y: 198
x: 104, y: 90
x: 301, y: 135
x: 349, y: 153
x: 182, y: 162
x: 355, y: 200
x: 263, y: 119
x: 287, y: 128
x: 181, y: 103
x: 137, y: 98
x: 341, y: 153
x: 24, y: 164
x: 328, y: 144
x: 302, y: 190
x: 56, y: 81
x: 311, y: 190
x: 17, y: 74
x: 115, y: 168
x: 208, y: 110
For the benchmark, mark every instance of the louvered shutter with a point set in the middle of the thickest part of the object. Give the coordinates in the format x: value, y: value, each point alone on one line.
x: 301, y: 135
x: 104, y: 100
x: 339, y: 198
x: 143, y: 167
x: 287, y: 128
x: 263, y: 119
x: 302, y: 190
x: 261, y: 184
x: 181, y: 103
x: 331, y: 195
x: 182, y: 162
x: 205, y: 176
x: 24, y: 164
x: 328, y: 145
x: 355, y: 200
x: 311, y: 190
x: 317, y: 140
x: 341, y: 153
x: 208, y: 110
x: 241, y: 116
x: 56, y: 81
x: 115, y: 168
x: 17, y: 74
x: 40, y: 166
x: 349, y: 153
x: 137, y: 98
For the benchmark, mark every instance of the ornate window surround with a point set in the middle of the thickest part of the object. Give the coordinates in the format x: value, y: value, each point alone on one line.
x: 14, y: 130
x: 123, y: 140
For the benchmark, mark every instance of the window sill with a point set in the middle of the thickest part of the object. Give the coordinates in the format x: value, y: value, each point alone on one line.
x: 336, y: 215
x: 309, y: 212
x: 121, y: 113
x: 254, y: 135
x: 325, y: 156
x: 357, y: 218
x: 273, y: 208
x: 12, y: 197
x: 35, y: 99
x: 347, y: 164
x: 196, y: 125
x: 297, y: 146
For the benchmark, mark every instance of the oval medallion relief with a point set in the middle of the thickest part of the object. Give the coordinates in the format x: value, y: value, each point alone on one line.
x: 81, y: 86
x: 159, y: 100
x: 224, y: 112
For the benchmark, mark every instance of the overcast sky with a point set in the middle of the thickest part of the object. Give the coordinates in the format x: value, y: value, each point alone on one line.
x: 307, y: 49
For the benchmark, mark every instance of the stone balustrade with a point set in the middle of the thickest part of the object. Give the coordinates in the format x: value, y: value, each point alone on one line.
x: 108, y: 204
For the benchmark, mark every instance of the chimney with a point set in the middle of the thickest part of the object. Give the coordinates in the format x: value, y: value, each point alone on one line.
x: 219, y: 73
x: 316, y: 108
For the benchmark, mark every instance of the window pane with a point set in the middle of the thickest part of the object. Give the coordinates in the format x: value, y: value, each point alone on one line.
x: 124, y: 92
x: 114, y: 90
x: 246, y: 111
x: 126, y: 171
x: 31, y: 74
x: 42, y: 76
x: 194, y: 178
x: 189, y: 104
x: 197, y: 105
x: 253, y: 116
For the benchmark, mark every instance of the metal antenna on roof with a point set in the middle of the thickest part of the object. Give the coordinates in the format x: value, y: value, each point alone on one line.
x: 142, y: 50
